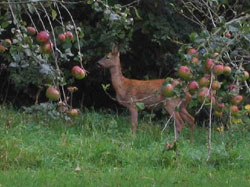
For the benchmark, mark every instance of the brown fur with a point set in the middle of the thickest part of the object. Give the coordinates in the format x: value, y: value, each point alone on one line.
x: 130, y: 91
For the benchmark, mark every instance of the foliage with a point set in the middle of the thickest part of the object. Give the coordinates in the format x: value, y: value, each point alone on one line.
x: 30, y: 62
x: 147, y: 37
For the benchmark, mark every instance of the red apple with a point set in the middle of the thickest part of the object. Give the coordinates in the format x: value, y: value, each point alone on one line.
x: 31, y: 30
x: 228, y: 35
x: 220, y: 106
x: 78, y: 72
x: 42, y: 37
x: 245, y: 76
x: 47, y: 47
x: 69, y: 35
x: 227, y: 70
x: 184, y: 72
x: 62, y: 37
x: 203, y: 94
x: 2, y: 48
x: 213, y: 99
x: 204, y: 89
x: 204, y: 81
x: 237, y: 99
x: 168, y: 90
x: 73, y: 112
x: 193, y: 86
x: 192, y: 51
x: 62, y: 107
x: 232, y: 87
x: 216, y: 85
x: 234, y: 109
x: 209, y: 64
x: 218, y: 69
x: 52, y: 93
x: 195, y: 60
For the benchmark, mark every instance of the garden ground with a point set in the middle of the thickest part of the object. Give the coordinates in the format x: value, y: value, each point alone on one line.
x: 96, y: 149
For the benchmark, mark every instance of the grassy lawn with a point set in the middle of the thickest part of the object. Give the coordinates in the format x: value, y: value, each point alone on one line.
x: 96, y: 149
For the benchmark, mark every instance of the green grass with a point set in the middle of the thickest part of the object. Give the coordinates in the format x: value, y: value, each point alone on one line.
x: 39, y: 151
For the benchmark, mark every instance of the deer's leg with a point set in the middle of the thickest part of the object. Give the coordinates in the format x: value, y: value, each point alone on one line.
x: 177, y: 117
x: 133, y: 119
x: 188, y: 119
x: 179, y: 122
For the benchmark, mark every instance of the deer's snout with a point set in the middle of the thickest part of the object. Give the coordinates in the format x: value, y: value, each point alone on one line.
x: 99, y: 64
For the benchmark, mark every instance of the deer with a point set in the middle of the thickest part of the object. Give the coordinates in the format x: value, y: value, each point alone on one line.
x: 149, y: 92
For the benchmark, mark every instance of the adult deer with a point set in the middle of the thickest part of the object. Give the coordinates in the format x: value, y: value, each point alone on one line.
x: 149, y: 92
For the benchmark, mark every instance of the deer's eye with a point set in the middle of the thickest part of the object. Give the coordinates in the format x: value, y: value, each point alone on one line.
x: 107, y: 57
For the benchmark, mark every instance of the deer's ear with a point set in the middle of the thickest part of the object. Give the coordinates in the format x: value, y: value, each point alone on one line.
x: 115, y: 50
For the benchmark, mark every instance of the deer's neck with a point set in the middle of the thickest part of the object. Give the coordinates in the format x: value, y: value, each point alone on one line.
x: 117, y: 78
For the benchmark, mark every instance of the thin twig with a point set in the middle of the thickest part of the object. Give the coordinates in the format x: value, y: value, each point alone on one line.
x: 39, y: 17
x: 165, y: 126
x: 60, y: 15
x: 210, y: 128
x: 247, y: 86
x: 175, y: 132
x: 211, y: 16
x: 32, y: 21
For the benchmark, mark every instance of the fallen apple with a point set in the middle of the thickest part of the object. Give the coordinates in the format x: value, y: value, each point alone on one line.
x: 73, y: 112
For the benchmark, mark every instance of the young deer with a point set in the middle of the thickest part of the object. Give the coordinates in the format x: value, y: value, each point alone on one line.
x: 130, y: 91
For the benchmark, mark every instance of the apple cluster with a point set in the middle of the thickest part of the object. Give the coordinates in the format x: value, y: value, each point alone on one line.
x: 43, y: 38
x: 46, y: 47
x: 203, y: 77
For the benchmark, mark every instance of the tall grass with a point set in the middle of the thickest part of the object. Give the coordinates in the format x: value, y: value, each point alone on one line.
x: 97, y: 149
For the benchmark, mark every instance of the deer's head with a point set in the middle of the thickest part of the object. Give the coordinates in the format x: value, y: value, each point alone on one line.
x: 111, y: 59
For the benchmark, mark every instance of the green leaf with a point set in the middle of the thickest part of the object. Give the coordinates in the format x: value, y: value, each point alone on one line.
x: 193, y: 36
x: 31, y: 8
x: 140, y: 106
x: 5, y: 24
x: 28, y: 52
x: 105, y: 86
x: 54, y: 14
x: 247, y: 37
x: 137, y: 14
x: 224, y: 1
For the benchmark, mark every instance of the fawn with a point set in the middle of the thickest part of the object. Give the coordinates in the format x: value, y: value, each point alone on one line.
x: 148, y: 92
